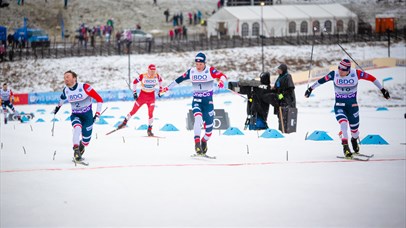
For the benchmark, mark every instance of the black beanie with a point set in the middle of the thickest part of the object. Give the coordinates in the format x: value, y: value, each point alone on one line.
x: 283, y: 68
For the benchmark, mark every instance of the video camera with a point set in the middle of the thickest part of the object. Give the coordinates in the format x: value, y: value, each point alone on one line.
x: 244, y: 86
x: 249, y: 86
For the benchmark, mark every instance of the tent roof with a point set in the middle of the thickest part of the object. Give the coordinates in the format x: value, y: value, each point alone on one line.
x: 291, y: 12
x: 315, y: 11
x: 242, y: 13
x: 284, y: 12
x: 268, y: 13
x: 338, y: 10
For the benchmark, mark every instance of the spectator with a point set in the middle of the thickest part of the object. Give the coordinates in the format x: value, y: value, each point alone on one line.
x: 180, y: 19
x: 118, y: 41
x: 166, y: 13
x: 190, y: 18
x: 184, y: 32
x: 176, y: 33
x: 2, y: 52
x: 110, y: 23
x: 171, y: 34
x: 199, y: 16
x: 175, y: 20
x: 10, y: 53
x: 155, y: 3
x: 180, y: 32
x: 92, y: 34
x: 10, y: 39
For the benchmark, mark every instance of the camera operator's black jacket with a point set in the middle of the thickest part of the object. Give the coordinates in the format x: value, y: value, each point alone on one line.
x: 257, y: 105
x: 283, y: 85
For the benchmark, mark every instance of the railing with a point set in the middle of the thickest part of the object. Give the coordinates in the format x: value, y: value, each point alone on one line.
x: 192, y: 43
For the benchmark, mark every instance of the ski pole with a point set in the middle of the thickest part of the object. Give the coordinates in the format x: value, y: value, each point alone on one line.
x: 53, y: 125
x: 104, y: 110
x: 311, y: 59
x: 350, y: 56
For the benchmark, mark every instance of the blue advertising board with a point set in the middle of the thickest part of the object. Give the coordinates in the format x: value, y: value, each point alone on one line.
x: 113, y: 95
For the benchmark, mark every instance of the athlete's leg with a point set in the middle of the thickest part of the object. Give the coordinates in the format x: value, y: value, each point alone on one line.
x: 151, y: 107
x: 87, y: 121
x: 208, y: 117
x: 342, y: 120
x: 353, y: 119
x: 197, y: 127
x: 341, y: 112
x: 77, y: 129
x: 137, y: 105
x: 3, y: 105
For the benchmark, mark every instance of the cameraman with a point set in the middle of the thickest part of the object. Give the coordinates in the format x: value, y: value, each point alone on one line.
x: 257, y: 108
x: 282, y: 95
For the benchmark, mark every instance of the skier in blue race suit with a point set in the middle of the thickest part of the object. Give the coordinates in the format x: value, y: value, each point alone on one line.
x: 346, y: 107
x: 80, y: 96
x: 203, y: 78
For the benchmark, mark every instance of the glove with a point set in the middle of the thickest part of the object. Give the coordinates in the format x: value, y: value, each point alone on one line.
x: 385, y: 93
x: 280, y: 96
x: 135, y: 95
x: 57, y: 109
x: 221, y: 84
x: 308, y: 92
x: 162, y: 91
x: 250, y: 100
x: 96, y: 116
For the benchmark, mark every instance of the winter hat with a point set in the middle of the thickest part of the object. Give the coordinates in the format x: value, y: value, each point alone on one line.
x: 265, y: 78
x: 345, y: 65
x: 152, y: 67
x: 283, y: 67
x: 200, y: 57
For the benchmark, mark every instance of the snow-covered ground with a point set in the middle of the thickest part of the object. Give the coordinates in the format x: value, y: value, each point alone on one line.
x: 137, y: 181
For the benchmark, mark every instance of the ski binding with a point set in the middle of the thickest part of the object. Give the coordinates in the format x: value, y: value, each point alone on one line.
x: 80, y: 162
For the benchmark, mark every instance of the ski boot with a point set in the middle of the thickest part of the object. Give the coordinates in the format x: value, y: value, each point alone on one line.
x: 81, y: 148
x: 123, y: 124
x: 76, y: 153
x: 198, y: 148
x: 204, y: 147
x: 149, y: 131
x: 355, y: 146
x: 346, y: 150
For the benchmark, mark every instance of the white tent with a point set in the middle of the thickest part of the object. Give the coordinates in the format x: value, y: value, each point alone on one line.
x: 282, y: 20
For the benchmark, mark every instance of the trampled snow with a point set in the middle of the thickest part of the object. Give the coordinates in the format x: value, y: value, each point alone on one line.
x: 133, y: 180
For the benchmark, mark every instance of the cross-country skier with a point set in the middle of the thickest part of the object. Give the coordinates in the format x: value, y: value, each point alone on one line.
x: 80, y: 95
x: 148, y: 81
x: 202, y: 77
x: 7, y: 100
x: 346, y: 108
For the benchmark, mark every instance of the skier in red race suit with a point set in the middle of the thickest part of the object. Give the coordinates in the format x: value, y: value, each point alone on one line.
x: 148, y: 82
